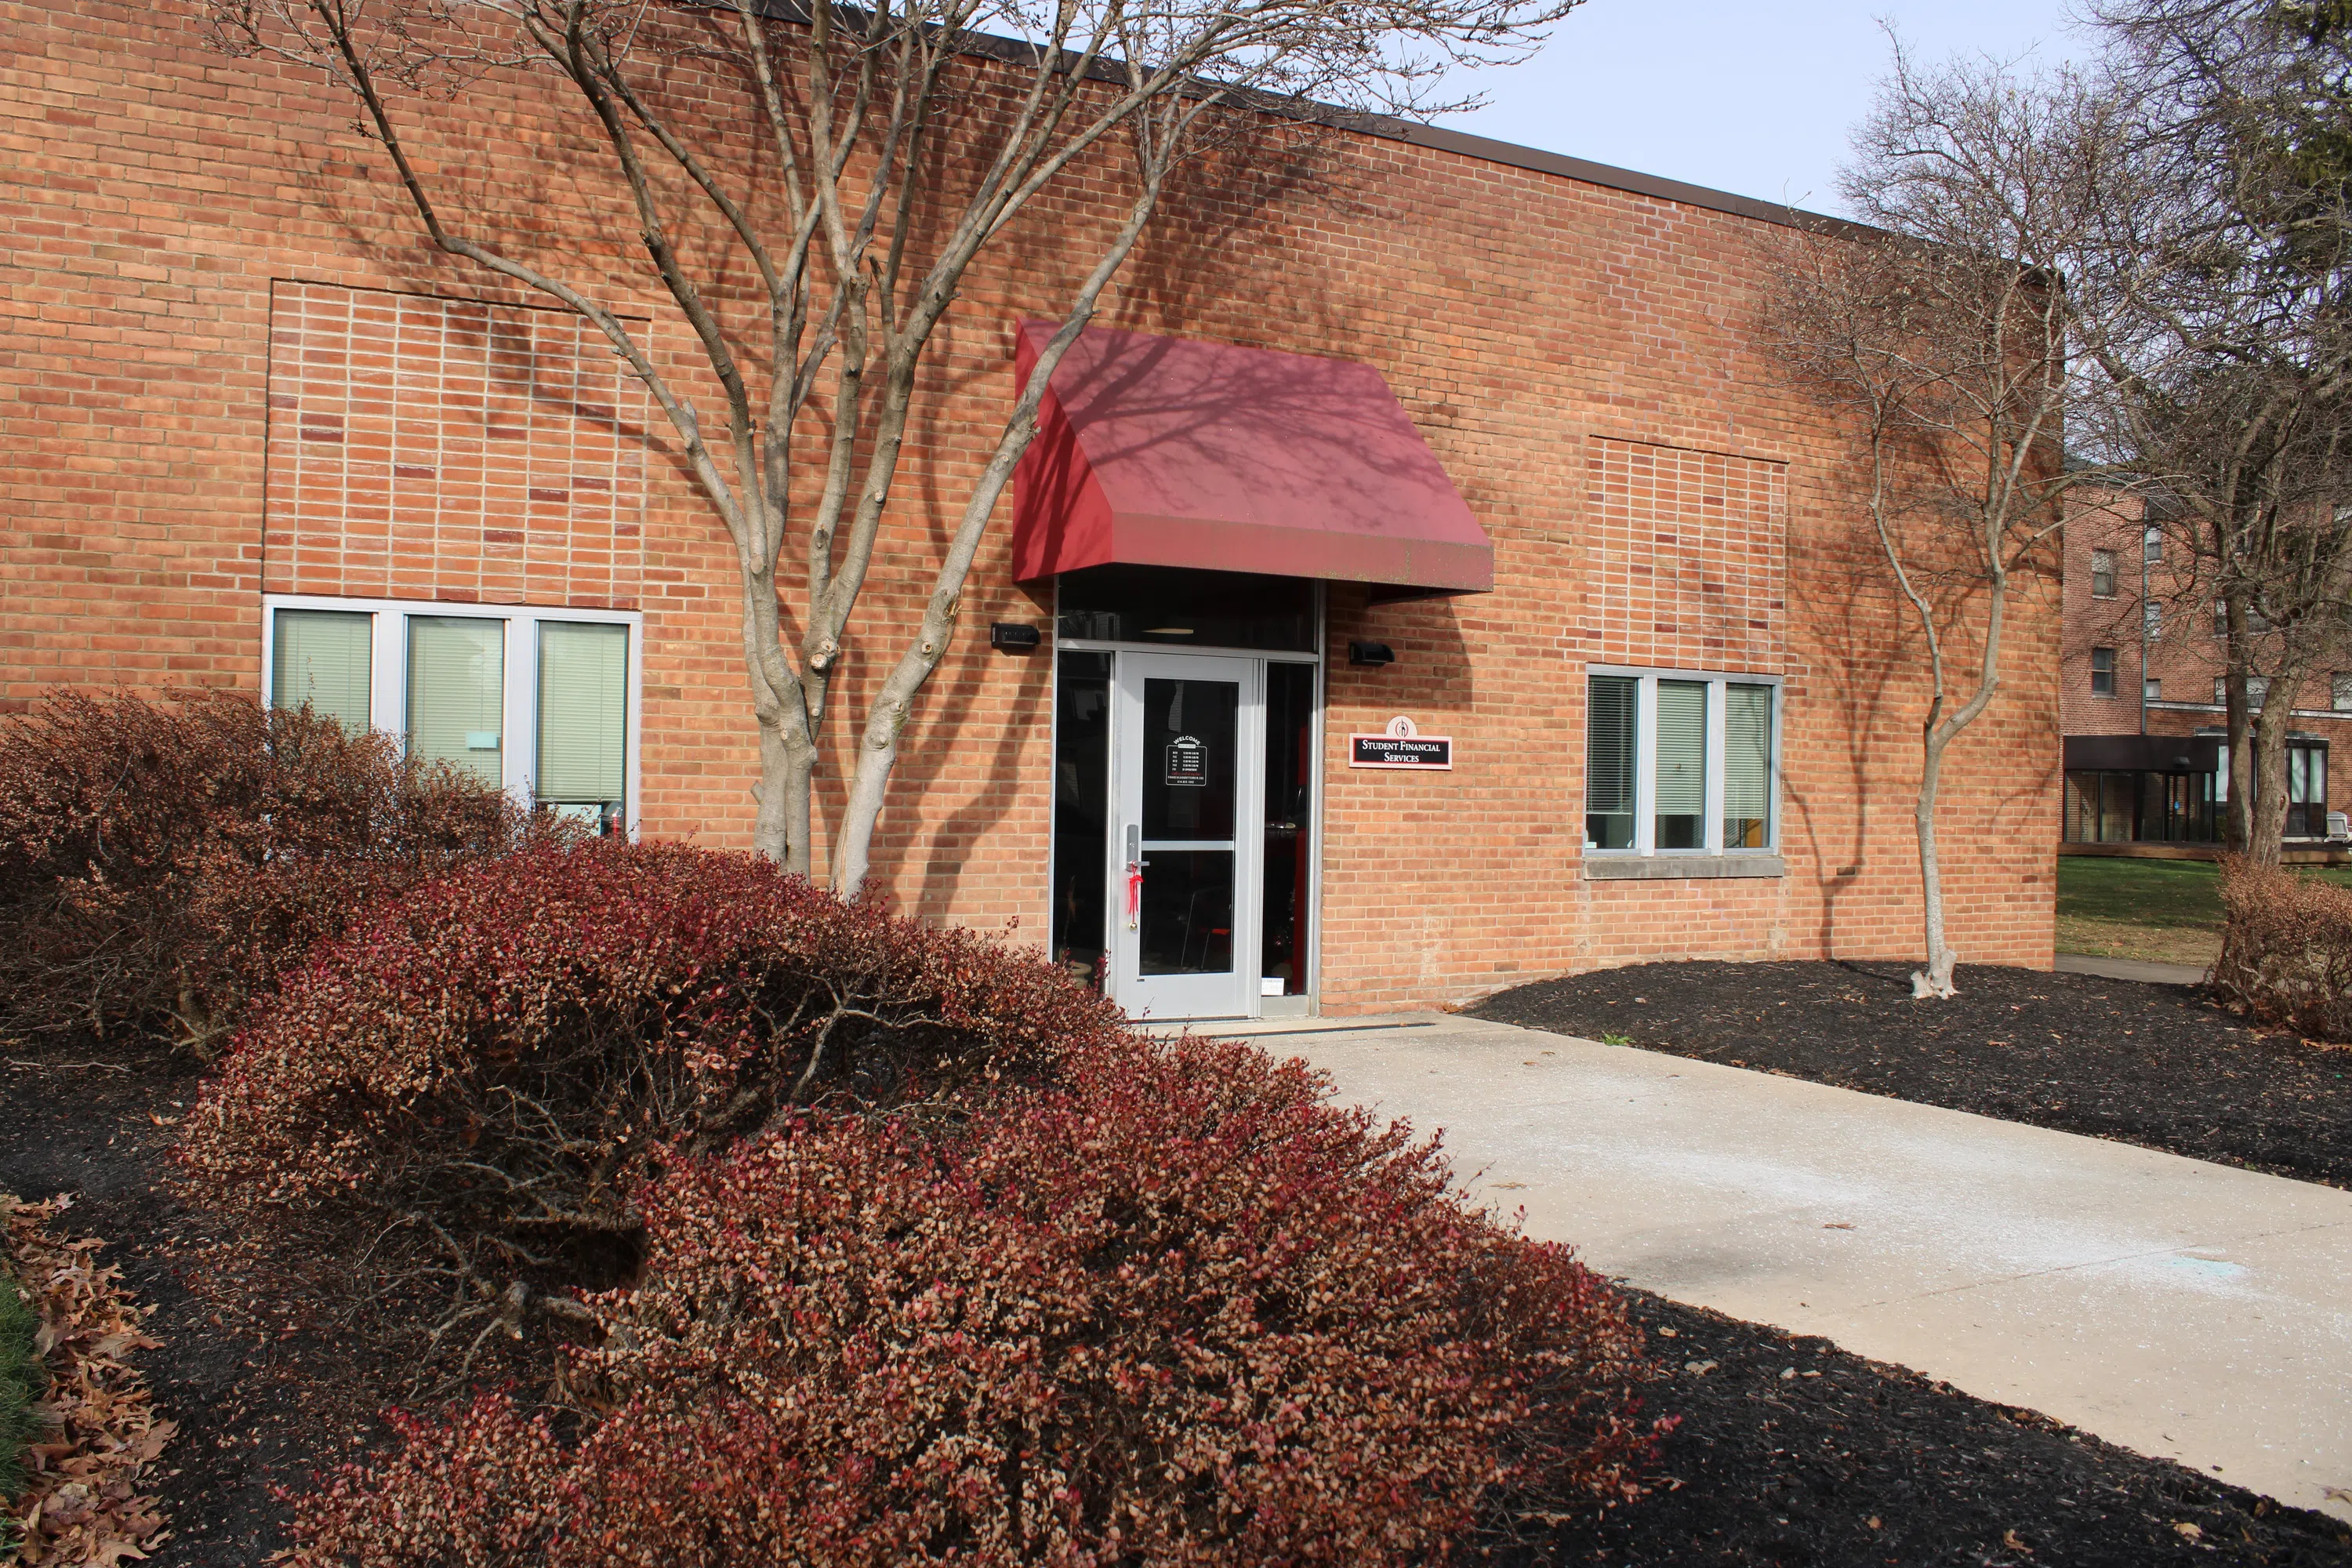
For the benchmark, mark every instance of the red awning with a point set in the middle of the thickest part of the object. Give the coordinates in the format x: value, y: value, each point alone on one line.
x: 1167, y: 452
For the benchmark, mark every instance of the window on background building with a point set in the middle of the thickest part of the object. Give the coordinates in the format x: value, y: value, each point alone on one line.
x: 2257, y: 687
x: 2151, y: 620
x: 2307, y: 789
x: 2103, y: 574
x: 2339, y: 692
x: 535, y: 702
x: 2151, y: 690
x: 2255, y: 620
x: 2151, y: 545
x: 1677, y: 762
x: 2103, y: 672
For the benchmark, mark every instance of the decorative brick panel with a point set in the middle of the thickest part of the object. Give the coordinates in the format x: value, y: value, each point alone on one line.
x: 1688, y: 559
x: 422, y: 447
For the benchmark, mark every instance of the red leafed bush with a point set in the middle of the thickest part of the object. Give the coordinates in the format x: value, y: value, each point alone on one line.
x: 2287, y: 949
x: 161, y: 865
x: 471, y: 1082
x: 1173, y: 1310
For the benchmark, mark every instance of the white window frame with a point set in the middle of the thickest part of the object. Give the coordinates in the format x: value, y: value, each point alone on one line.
x: 1645, y: 761
x: 519, y: 742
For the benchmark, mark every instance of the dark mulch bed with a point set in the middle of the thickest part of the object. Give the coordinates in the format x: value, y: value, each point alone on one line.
x: 2158, y: 1066
x: 1849, y: 1462
x: 262, y: 1401
x: 1762, y: 1470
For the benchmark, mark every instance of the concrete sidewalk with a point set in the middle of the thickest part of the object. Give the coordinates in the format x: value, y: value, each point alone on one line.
x: 2180, y: 1309
x: 2141, y: 969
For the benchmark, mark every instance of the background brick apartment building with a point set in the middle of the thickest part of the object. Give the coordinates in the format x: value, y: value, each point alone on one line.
x: 257, y: 430
x: 2140, y: 693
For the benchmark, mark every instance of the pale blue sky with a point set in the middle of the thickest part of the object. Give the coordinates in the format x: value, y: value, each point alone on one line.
x: 1752, y: 98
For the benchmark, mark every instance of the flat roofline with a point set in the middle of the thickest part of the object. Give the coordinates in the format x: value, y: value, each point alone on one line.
x: 1445, y: 139
x: 1510, y: 154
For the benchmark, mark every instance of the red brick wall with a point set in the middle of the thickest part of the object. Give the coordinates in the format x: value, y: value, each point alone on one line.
x: 1581, y: 359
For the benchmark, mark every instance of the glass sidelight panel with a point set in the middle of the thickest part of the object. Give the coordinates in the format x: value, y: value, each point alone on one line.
x: 321, y: 658
x: 1187, y: 924
x: 1289, y: 827
x: 1682, y: 765
x: 1081, y: 814
x: 457, y: 692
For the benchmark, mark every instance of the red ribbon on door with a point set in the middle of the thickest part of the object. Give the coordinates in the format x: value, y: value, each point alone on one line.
x: 1134, y: 892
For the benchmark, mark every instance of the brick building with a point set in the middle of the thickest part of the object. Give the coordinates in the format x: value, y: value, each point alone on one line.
x: 261, y: 435
x: 2140, y: 693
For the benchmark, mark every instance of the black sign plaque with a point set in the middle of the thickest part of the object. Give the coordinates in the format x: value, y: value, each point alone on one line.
x: 1401, y: 752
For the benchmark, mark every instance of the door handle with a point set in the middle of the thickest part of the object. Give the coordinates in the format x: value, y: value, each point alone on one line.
x: 1134, y: 875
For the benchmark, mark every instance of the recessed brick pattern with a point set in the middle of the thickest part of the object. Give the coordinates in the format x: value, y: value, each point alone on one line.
x: 422, y: 447
x: 1687, y: 559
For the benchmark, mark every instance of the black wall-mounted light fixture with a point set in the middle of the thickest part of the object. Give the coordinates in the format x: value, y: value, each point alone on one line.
x: 1012, y: 636
x: 1370, y: 653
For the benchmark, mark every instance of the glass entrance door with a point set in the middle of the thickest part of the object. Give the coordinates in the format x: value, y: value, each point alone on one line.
x: 1187, y: 865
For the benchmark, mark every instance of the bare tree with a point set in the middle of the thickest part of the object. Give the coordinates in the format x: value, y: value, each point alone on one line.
x: 2222, y: 328
x: 1941, y: 337
x: 895, y: 145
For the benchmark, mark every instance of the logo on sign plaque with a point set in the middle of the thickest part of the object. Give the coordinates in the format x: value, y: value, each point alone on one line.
x: 1401, y: 745
x: 1187, y: 763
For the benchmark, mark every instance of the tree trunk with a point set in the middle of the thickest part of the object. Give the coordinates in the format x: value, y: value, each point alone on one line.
x: 2266, y: 820
x: 782, y: 826
x: 2236, y: 815
x: 1936, y: 980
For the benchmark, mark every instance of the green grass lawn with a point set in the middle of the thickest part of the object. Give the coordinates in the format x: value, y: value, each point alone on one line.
x: 2168, y: 911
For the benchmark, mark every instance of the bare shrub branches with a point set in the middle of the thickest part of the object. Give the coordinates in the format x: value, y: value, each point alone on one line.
x: 2287, y: 949
x: 470, y: 1087
x: 1173, y: 1310
x: 855, y: 163
x: 159, y: 866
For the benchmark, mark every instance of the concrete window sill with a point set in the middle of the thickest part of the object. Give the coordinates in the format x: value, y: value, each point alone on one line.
x: 1680, y: 867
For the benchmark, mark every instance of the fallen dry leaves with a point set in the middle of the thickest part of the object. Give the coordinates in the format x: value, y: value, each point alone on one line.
x: 83, y: 1503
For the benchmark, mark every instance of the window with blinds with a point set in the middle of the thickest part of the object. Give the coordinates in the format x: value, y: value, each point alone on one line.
x: 1681, y: 815
x: 1746, y: 766
x: 1608, y: 743
x: 320, y: 660
x: 1680, y: 762
x: 456, y: 693
x: 583, y: 716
